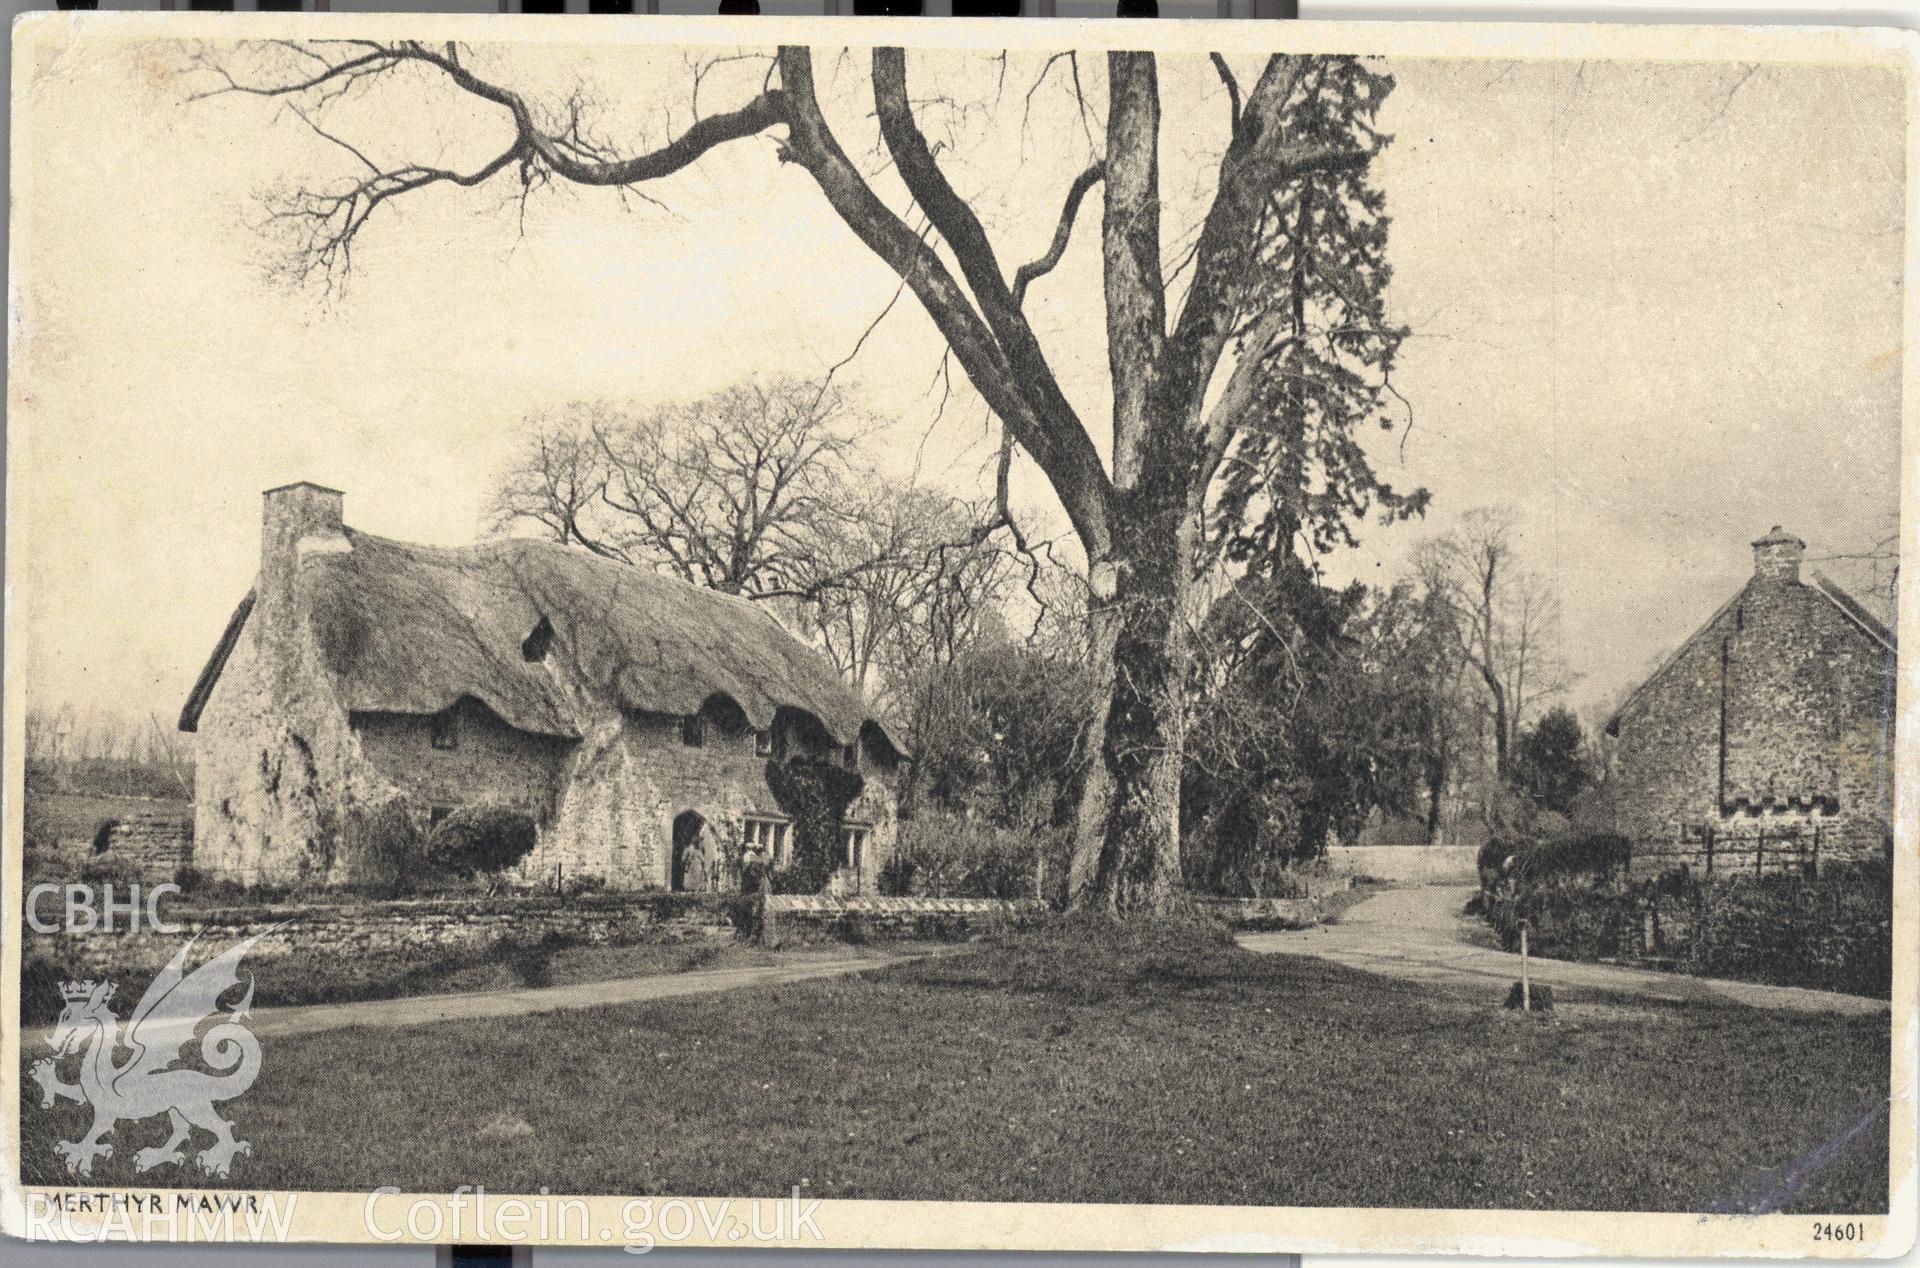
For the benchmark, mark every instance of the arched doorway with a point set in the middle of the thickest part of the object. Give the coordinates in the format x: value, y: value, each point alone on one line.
x: 689, y: 862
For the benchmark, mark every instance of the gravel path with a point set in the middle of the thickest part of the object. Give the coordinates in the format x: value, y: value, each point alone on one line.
x: 1422, y: 935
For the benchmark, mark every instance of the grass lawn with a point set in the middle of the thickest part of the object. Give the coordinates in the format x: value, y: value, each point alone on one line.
x: 1088, y: 1065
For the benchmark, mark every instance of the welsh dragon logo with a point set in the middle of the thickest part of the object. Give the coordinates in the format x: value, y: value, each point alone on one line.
x: 151, y: 1081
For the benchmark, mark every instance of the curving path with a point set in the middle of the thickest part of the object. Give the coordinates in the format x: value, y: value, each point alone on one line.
x: 419, y: 1010
x: 1422, y: 935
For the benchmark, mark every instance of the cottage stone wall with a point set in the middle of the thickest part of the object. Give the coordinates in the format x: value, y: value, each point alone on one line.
x: 629, y: 782
x: 1779, y: 714
x: 277, y: 769
x: 489, y: 760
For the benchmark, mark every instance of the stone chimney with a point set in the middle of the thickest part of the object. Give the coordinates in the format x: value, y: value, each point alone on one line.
x: 1777, y: 555
x: 297, y: 520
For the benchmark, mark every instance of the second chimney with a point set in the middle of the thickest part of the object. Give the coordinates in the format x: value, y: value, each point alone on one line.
x: 1777, y: 555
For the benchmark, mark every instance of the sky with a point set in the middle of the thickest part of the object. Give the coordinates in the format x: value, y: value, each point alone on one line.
x: 1656, y: 309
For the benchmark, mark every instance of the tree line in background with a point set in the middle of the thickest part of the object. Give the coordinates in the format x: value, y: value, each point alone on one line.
x: 106, y: 753
x: 1307, y: 709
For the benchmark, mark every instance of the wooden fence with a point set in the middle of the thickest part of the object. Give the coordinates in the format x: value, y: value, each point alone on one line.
x: 1794, y: 850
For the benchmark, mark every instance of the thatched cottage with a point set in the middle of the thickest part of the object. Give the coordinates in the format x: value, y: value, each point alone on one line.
x: 1772, y: 723
x: 632, y: 716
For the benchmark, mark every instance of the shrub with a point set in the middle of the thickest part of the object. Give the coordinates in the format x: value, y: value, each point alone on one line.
x: 950, y: 856
x: 578, y: 884
x: 898, y: 873
x: 106, y: 869
x: 531, y: 960
x: 380, y: 850
x: 482, y: 839
x: 1493, y: 856
x: 1833, y: 932
x: 1598, y: 855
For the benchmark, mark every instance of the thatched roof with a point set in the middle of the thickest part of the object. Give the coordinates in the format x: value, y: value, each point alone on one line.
x: 412, y: 629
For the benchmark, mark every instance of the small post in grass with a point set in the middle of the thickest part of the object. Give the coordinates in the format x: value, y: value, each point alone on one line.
x: 1526, y: 986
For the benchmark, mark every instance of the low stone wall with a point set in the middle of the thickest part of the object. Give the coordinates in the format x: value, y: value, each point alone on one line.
x: 1419, y: 864
x: 402, y: 929
x: 157, y: 845
x: 153, y: 845
x: 825, y: 917
x: 431, y: 929
x: 1264, y: 913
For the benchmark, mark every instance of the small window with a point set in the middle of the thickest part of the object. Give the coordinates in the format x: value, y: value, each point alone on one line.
x: 446, y: 731
x: 536, y: 644
x: 693, y: 731
x: 763, y: 743
x: 769, y: 836
x: 438, y: 815
x: 855, y: 837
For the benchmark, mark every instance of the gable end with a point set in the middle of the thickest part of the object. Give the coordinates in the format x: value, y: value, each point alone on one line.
x: 215, y: 666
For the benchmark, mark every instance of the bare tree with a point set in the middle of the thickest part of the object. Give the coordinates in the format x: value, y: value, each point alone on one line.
x: 1193, y: 372
x: 1503, y: 618
x: 907, y: 581
x: 734, y: 492
x: 759, y: 491
x: 1874, y: 563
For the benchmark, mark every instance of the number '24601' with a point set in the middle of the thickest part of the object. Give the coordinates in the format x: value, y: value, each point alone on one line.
x: 1829, y: 1231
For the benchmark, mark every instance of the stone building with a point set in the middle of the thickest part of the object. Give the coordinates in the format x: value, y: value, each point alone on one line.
x: 1773, y: 723
x: 632, y: 716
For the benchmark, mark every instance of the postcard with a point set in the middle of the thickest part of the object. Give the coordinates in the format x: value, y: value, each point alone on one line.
x: 959, y: 634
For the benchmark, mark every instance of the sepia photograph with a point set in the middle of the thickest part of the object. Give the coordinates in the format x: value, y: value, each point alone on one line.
x: 739, y: 631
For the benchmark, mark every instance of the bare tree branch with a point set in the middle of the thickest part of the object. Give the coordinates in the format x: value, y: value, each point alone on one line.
x: 1026, y: 274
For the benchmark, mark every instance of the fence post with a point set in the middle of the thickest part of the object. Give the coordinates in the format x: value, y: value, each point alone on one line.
x: 1526, y: 986
x: 1710, y: 835
x: 1760, y: 854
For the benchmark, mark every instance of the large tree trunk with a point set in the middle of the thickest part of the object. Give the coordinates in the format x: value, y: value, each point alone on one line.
x: 1127, y: 839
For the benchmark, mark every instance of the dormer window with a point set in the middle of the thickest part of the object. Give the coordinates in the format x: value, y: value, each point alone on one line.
x: 446, y: 731
x: 534, y: 649
x: 763, y: 743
